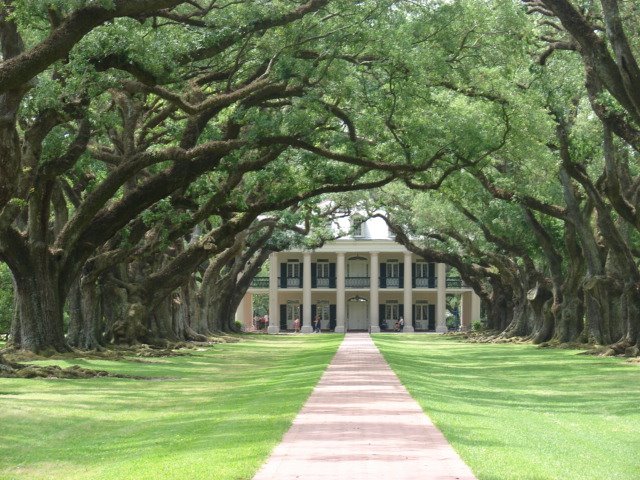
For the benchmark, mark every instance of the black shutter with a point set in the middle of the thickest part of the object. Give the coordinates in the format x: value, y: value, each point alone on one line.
x: 383, y: 276
x: 432, y: 317
x: 283, y: 275
x: 432, y: 275
x: 314, y: 311
x: 283, y: 317
x: 402, y: 275
x: 314, y: 276
x: 381, y: 311
x: 413, y: 315
x: 301, y: 274
x: 332, y: 275
x: 413, y: 275
x: 401, y: 309
x: 332, y: 316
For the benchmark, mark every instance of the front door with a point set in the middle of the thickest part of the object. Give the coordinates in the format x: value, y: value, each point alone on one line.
x: 357, y: 318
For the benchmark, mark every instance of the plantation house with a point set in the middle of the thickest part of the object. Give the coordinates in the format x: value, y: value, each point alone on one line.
x: 363, y: 281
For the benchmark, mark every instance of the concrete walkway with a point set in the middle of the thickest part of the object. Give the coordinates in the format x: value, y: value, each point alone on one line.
x: 361, y: 423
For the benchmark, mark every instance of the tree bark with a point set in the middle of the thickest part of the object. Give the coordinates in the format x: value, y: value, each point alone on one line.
x: 499, y: 306
x: 161, y: 322
x: 85, y: 316
x: 40, y: 303
x: 596, y: 298
x: 14, y: 333
x: 570, y: 312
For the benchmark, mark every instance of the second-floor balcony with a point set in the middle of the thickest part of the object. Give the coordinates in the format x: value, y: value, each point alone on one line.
x: 260, y: 282
x: 390, y: 282
x: 324, y: 282
x: 455, y: 282
x: 425, y: 282
x: 356, y: 282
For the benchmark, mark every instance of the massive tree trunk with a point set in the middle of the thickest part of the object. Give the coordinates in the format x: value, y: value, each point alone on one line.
x: 114, y: 301
x: 541, y: 300
x: 218, y: 308
x: 521, y: 322
x: 622, y: 277
x: 596, y: 295
x: 86, y: 327
x: 499, y: 308
x: 570, y: 320
x: 570, y: 312
x: 132, y: 328
x: 194, y: 321
x: 40, y: 303
x: 185, y: 318
x: 597, y: 311
x: 161, y: 322
x: 14, y: 333
x: 74, y: 307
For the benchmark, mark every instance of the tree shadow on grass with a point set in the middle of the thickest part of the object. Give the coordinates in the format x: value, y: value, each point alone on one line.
x: 223, y: 400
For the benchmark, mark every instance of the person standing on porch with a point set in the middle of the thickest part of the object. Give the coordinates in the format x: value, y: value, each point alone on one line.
x: 296, y: 325
x: 316, y: 324
x: 401, y: 324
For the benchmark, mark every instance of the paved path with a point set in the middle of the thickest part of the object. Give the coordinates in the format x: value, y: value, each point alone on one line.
x: 361, y: 423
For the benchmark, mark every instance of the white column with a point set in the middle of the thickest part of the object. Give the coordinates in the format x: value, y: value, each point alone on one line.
x: 240, y: 311
x: 408, y: 294
x: 475, y: 307
x: 340, y: 294
x: 248, y: 311
x: 465, y: 317
x: 244, y: 314
x: 306, y: 293
x: 441, y: 305
x: 374, y: 320
x: 274, y: 307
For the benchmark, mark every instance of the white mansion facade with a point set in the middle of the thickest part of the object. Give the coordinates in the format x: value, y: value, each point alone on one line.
x: 366, y: 281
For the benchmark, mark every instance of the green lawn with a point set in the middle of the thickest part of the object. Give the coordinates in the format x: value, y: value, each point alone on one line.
x: 516, y: 412
x: 214, y: 415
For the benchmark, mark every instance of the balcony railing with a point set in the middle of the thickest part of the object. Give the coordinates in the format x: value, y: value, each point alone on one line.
x: 359, y: 282
x: 290, y: 282
x: 391, y: 282
x: 425, y: 282
x: 260, y: 282
x: 356, y: 282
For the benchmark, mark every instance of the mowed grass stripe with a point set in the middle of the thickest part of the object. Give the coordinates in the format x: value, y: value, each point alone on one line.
x: 216, y: 414
x: 517, y: 412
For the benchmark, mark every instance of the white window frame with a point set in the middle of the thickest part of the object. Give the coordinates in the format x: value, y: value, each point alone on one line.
x: 293, y: 269
x: 422, y: 310
x: 293, y: 311
x: 357, y: 227
x: 393, y: 269
x: 322, y: 309
x: 422, y: 269
x: 322, y: 269
x: 391, y: 310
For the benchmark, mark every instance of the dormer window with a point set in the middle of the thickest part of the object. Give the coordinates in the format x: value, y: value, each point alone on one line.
x: 357, y: 227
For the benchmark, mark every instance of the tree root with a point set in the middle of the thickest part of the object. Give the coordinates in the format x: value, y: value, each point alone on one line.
x: 16, y: 370
x: 620, y: 349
